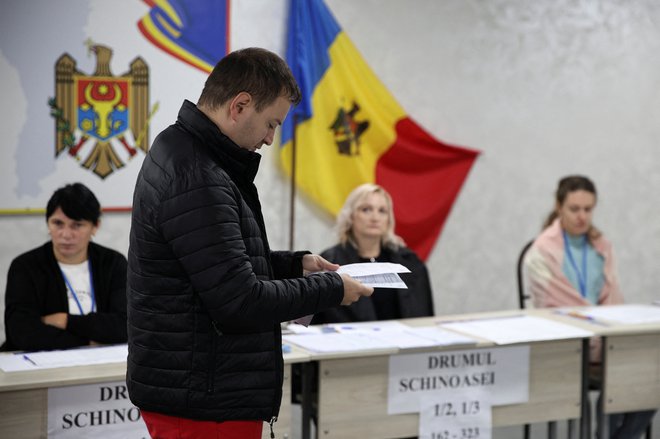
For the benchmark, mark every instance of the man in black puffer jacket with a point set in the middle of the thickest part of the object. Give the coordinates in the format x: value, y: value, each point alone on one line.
x: 206, y: 295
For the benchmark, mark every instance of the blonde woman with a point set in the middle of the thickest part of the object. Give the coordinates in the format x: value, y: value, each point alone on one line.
x: 365, y: 228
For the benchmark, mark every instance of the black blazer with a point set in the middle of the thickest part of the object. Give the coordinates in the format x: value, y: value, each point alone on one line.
x: 35, y: 287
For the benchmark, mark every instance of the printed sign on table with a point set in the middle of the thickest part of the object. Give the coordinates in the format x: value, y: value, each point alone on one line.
x: 502, y: 371
x: 93, y: 411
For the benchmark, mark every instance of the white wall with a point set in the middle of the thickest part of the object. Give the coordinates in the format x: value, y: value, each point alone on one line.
x: 543, y: 88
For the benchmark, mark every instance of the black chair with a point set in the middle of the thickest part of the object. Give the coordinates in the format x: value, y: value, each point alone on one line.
x: 523, y: 298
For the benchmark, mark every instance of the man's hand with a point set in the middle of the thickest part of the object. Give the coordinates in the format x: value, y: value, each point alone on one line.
x: 353, y: 289
x: 314, y: 263
x: 58, y: 320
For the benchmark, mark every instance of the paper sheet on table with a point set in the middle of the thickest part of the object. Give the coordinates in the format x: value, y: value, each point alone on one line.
x: 376, y: 274
x: 14, y: 363
x: 403, y: 336
x: 423, y: 337
x: 337, y: 342
x: 442, y: 337
x: 517, y: 329
x: 382, y: 334
x: 627, y: 314
x: 367, y: 327
x: 64, y: 358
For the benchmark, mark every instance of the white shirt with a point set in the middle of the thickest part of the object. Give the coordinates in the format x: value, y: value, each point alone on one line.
x: 78, y: 278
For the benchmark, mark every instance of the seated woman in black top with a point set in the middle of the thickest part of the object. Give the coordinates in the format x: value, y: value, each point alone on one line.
x: 68, y: 292
x: 365, y: 226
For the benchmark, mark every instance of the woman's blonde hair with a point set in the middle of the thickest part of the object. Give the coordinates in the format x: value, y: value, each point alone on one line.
x: 344, y: 224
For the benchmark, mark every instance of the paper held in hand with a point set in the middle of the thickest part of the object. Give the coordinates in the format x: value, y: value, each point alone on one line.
x: 376, y: 274
x: 372, y: 274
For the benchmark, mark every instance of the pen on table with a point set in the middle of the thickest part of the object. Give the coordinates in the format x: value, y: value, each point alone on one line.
x: 579, y: 316
x: 26, y: 358
x: 584, y: 317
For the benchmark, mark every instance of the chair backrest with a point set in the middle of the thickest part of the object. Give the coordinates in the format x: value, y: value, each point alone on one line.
x: 522, y: 297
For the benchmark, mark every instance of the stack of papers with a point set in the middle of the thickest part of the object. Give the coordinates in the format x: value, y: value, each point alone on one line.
x: 376, y: 274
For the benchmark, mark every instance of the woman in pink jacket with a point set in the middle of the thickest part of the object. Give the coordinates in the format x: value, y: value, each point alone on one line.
x: 571, y: 263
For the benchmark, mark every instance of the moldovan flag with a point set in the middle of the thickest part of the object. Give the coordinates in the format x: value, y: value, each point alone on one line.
x: 196, y: 32
x: 349, y: 130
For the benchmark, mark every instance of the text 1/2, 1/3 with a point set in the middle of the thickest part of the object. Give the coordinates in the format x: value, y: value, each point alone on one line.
x: 450, y: 409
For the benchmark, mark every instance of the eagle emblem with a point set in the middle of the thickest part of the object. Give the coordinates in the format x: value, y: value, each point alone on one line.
x: 101, y: 120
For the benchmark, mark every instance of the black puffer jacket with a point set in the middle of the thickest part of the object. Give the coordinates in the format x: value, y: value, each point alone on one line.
x: 203, y: 306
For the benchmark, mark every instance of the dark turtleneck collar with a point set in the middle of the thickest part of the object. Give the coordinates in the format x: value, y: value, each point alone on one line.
x: 237, y: 161
x: 351, y: 250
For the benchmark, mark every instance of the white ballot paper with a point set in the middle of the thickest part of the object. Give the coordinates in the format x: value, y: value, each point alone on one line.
x: 376, y: 274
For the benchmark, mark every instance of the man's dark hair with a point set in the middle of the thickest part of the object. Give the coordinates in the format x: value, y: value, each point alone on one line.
x: 76, y: 201
x: 259, y: 72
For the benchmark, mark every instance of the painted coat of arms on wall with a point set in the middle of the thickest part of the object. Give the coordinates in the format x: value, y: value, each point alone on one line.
x: 101, y: 120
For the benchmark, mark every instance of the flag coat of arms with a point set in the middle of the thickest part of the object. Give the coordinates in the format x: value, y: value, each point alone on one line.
x: 350, y: 130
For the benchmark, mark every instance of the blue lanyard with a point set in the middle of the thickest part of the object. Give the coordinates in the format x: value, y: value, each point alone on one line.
x: 582, y: 277
x: 91, y: 287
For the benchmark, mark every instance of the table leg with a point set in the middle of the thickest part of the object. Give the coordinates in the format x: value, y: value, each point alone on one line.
x: 307, y: 380
x: 603, y: 425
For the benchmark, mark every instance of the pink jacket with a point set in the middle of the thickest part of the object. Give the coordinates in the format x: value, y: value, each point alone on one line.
x: 549, y: 287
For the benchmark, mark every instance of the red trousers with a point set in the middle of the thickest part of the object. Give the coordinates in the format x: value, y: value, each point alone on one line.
x: 172, y: 427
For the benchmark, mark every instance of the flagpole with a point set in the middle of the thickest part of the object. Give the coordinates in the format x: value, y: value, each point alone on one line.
x: 292, y: 205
